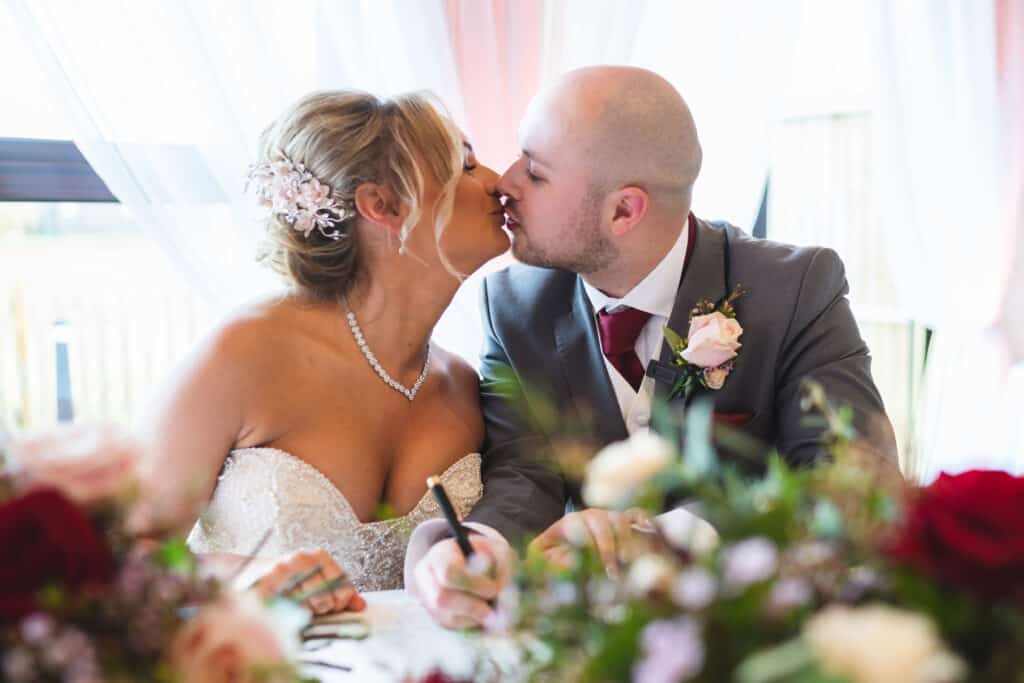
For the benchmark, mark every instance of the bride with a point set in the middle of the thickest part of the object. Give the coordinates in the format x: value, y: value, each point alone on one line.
x: 301, y: 418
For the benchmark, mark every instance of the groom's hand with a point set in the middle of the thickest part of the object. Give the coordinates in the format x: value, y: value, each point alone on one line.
x: 599, y: 529
x: 457, y: 593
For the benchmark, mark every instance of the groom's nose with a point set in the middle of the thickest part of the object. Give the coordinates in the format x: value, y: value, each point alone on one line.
x: 506, y: 187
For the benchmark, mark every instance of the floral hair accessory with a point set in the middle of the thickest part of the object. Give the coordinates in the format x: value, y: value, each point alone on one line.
x: 289, y: 190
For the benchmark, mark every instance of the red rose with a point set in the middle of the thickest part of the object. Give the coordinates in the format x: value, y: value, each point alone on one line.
x: 438, y: 676
x: 46, y: 539
x: 968, y: 530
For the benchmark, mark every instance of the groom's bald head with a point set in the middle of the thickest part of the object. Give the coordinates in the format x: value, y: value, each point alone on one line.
x: 628, y: 126
x: 605, y: 178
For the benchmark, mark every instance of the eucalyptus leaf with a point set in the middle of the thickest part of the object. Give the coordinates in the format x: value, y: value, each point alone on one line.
x: 665, y: 421
x: 676, y: 342
x: 828, y: 520
x: 780, y: 663
x: 699, y: 451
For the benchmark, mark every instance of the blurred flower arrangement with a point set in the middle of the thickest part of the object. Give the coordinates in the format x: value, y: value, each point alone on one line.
x: 840, y: 573
x: 82, y: 599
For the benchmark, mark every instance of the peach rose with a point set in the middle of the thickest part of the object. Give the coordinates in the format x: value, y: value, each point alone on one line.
x: 237, y: 638
x: 712, y: 340
x: 715, y: 377
x: 881, y: 643
x: 88, y: 464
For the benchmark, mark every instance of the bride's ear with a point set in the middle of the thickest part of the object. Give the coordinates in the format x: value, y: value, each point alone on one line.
x: 379, y: 205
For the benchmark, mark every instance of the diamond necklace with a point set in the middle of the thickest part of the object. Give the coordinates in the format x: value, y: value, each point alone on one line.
x: 409, y: 393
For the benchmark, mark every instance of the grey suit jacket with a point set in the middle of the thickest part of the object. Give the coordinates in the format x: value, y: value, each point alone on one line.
x: 539, y: 322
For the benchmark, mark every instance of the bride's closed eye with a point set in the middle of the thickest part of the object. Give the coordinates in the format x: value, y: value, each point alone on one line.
x: 469, y: 158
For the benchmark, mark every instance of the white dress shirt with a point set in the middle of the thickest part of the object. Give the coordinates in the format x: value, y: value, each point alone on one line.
x: 655, y: 294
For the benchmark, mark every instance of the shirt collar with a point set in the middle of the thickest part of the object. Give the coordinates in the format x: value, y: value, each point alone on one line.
x: 656, y: 293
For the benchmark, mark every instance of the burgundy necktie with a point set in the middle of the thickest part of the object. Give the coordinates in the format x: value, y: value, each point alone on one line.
x: 619, y: 331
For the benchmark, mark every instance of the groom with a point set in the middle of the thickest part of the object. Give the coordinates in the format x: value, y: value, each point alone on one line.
x: 599, y: 210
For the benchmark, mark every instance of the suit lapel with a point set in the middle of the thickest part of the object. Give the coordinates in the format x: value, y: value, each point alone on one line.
x: 703, y: 277
x: 590, y: 388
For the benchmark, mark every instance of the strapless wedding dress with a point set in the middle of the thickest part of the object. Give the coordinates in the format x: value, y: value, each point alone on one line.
x: 266, y: 488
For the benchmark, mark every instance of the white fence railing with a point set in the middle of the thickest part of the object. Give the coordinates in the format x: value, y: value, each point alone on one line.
x: 126, y: 319
x: 822, y: 193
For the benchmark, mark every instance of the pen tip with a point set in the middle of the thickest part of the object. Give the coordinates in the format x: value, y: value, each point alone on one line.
x: 432, y: 482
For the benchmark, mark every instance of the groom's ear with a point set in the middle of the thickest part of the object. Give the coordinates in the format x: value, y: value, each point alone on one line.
x: 379, y: 205
x: 631, y: 205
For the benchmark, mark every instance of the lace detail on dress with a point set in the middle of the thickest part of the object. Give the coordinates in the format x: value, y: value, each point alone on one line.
x: 263, y: 488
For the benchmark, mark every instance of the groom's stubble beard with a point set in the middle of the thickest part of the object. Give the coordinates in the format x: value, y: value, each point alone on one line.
x: 579, y: 245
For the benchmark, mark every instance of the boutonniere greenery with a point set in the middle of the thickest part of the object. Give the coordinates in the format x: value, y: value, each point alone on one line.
x: 708, y: 353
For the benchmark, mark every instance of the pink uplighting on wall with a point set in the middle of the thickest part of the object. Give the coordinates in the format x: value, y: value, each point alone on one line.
x: 497, y: 46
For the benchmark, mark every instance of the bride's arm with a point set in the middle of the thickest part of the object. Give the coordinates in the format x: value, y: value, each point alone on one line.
x: 196, y: 419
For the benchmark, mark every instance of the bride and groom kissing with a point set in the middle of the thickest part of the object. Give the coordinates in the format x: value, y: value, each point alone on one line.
x: 300, y: 417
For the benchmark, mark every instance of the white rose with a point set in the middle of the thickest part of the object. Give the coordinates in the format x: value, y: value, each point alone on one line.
x: 881, y: 643
x: 618, y: 471
x: 649, y: 573
x: 687, y: 531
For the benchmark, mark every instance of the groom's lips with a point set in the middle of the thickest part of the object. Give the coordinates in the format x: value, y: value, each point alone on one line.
x: 510, y: 222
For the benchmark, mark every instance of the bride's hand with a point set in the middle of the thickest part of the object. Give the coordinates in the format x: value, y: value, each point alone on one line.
x: 318, y: 567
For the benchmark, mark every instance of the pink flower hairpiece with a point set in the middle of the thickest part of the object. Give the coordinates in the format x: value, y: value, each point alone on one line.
x: 289, y: 190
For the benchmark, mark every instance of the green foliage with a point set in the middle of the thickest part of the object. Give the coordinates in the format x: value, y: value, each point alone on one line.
x: 829, y: 527
x: 790, y: 662
x: 174, y: 554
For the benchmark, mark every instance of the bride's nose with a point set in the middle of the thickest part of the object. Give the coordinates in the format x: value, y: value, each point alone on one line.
x: 490, y: 181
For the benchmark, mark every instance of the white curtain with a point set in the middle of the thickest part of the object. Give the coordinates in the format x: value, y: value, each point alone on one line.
x: 506, y: 49
x: 945, y: 207
x: 168, y: 99
x: 731, y: 61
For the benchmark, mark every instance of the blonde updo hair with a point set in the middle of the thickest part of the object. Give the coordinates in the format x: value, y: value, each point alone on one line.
x: 346, y: 138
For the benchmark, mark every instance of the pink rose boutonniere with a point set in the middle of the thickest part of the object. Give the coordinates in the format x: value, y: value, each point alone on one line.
x: 708, y: 353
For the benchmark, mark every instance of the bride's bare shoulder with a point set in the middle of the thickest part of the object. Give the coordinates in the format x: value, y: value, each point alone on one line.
x: 458, y: 375
x: 256, y: 333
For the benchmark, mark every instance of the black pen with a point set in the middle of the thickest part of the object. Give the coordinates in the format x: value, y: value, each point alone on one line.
x: 458, y: 531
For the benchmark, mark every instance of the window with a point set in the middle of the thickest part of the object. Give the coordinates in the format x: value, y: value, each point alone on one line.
x: 822, y: 192
x: 92, y: 312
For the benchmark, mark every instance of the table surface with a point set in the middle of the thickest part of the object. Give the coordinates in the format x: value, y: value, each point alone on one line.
x: 404, y: 643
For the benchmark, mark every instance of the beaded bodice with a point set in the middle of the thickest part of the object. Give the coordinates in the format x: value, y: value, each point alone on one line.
x: 266, y: 488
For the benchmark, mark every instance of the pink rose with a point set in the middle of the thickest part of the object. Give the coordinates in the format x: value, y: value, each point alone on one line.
x: 88, y: 464
x: 712, y: 340
x: 234, y: 639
